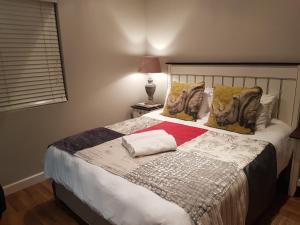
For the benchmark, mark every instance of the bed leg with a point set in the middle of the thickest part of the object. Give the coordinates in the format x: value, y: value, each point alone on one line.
x: 54, y: 191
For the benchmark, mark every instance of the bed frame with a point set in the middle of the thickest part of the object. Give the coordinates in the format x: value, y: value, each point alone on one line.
x: 282, y: 80
x: 85, y: 215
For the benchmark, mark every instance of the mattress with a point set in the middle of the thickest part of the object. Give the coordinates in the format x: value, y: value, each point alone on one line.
x: 123, y: 202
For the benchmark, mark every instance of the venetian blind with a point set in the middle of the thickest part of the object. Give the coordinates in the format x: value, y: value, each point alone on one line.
x: 31, y: 71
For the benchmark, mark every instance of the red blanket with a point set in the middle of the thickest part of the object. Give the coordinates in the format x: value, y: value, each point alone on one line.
x: 181, y: 133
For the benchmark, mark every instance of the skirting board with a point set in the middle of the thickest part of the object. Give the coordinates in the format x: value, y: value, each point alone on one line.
x: 24, y: 183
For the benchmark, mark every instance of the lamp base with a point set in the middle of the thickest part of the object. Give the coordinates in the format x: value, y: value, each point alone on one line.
x: 149, y: 102
x: 150, y: 89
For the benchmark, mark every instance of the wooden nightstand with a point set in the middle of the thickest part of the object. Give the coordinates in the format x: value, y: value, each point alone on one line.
x: 2, y: 201
x: 140, y: 109
x: 294, y: 176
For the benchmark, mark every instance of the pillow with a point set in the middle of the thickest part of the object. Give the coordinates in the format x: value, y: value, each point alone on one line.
x: 269, y: 98
x: 267, y: 103
x: 167, y: 94
x: 235, y: 109
x: 184, y: 100
x: 206, y: 103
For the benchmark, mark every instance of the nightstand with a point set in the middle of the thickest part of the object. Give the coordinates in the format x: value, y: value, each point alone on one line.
x: 294, y: 175
x: 140, y: 109
x: 2, y: 201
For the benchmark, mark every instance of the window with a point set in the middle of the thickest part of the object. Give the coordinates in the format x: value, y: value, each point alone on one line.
x: 31, y: 71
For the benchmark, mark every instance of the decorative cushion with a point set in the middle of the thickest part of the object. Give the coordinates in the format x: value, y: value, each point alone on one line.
x: 235, y: 109
x: 184, y: 100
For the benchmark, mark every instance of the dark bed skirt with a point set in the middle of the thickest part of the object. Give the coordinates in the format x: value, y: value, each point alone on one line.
x: 86, y: 215
x: 82, y: 212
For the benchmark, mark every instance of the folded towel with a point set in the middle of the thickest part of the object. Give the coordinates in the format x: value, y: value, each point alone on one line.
x: 148, y: 143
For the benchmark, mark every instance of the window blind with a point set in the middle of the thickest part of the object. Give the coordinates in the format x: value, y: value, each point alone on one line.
x: 31, y: 71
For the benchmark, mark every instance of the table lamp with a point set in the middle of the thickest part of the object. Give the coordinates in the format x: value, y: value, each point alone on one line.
x: 150, y: 64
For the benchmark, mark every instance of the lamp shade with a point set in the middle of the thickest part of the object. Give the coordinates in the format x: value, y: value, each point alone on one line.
x: 150, y: 64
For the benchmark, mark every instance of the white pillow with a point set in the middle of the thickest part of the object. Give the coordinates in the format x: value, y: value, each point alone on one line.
x: 167, y: 94
x: 265, y: 111
x: 206, y: 103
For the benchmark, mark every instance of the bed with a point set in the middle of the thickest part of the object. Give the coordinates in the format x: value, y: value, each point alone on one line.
x: 93, y: 193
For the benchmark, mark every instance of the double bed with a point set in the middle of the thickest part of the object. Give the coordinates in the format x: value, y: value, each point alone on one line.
x: 93, y: 191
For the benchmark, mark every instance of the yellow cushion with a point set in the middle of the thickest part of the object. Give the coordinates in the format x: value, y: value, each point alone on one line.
x: 184, y: 100
x: 235, y: 109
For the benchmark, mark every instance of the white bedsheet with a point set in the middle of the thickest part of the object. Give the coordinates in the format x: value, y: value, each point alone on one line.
x: 123, y: 202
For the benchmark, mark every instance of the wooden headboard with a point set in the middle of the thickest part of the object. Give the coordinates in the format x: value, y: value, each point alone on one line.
x: 282, y: 80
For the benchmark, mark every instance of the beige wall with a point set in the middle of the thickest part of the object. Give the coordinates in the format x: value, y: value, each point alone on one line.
x: 102, y: 41
x: 223, y: 31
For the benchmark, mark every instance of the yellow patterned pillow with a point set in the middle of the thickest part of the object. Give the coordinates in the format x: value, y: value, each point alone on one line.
x: 184, y: 100
x: 235, y: 109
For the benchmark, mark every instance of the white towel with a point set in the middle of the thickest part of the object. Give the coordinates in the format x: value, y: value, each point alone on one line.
x: 149, y: 142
